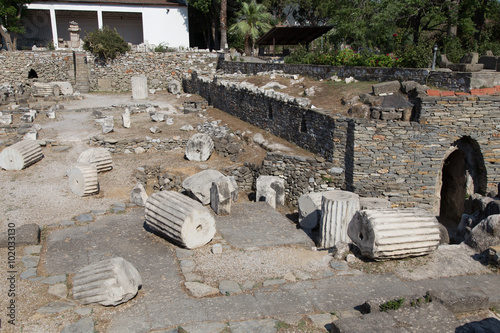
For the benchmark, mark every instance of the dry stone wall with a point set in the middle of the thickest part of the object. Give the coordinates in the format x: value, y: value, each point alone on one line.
x: 397, y: 160
x: 49, y: 66
x: 114, y: 75
x: 451, y: 80
x: 158, y: 67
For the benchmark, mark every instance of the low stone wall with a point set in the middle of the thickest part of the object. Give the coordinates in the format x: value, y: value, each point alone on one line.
x: 159, y: 68
x: 451, y: 80
x: 114, y: 75
x: 398, y: 160
x: 137, y: 145
x: 49, y: 66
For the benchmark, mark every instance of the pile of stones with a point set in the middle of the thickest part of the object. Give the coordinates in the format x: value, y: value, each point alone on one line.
x: 388, y: 101
x: 156, y: 178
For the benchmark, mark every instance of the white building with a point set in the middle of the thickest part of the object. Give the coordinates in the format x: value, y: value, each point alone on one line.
x: 152, y: 21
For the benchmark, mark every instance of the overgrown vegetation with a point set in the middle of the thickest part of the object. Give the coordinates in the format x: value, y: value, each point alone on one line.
x: 392, y: 305
x: 106, y: 43
x: 162, y: 48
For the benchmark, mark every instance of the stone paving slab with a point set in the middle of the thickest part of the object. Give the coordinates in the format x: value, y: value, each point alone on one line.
x: 256, y: 224
x: 431, y: 317
x: 163, y: 304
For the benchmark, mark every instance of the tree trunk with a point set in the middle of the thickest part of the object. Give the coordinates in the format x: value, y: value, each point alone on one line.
x: 479, y: 19
x: 452, y: 14
x: 248, y: 46
x: 7, y: 39
x: 223, y: 24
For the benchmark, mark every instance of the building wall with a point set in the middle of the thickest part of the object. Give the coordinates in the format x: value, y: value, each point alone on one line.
x: 398, y: 160
x: 167, y: 25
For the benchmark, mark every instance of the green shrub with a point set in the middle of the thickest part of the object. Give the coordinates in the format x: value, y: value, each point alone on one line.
x: 162, y: 48
x: 416, y: 56
x: 392, y: 305
x: 105, y: 43
x: 453, y: 49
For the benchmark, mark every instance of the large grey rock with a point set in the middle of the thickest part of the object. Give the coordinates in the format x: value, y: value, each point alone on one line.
x: 99, y: 157
x: 383, y: 234
x: 27, y: 234
x: 108, y: 124
x: 199, y: 147
x: 179, y: 219
x: 470, y: 58
x: 271, y: 189
x: 138, y: 195
x: 20, y: 155
x: 337, y: 211
x: 386, y: 88
x: 108, y: 282
x: 485, y: 234
x: 139, y: 87
x: 198, y: 289
x: 310, y: 209
x: 199, y: 185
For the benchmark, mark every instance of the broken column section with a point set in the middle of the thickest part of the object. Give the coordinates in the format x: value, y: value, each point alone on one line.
x: 83, y: 180
x: 107, y: 282
x: 383, y: 234
x: 199, y: 147
x: 99, y: 157
x: 20, y: 155
x: 337, y: 210
x: 179, y: 219
x: 271, y: 189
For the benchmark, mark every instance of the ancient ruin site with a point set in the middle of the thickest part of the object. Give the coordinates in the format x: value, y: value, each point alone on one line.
x: 184, y: 192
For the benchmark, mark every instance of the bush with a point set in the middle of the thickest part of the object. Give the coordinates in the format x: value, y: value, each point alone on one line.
x: 416, y: 56
x: 106, y: 43
x: 162, y: 48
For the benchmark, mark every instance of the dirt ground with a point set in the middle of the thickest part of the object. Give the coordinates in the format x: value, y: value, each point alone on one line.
x: 40, y: 194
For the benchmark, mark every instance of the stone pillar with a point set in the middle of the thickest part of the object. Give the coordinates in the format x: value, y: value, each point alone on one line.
x: 83, y: 180
x: 220, y: 197
x: 383, y: 234
x: 337, y: 210
x: 139, y: 87
x: 126, y: 118
x: 179, y: 219
x: 74, y: 35
x: 20, y: 155
x: 271, y: 189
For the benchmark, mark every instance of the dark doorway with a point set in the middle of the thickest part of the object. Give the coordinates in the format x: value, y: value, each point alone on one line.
x: 453, y: 189
x: 462, y: 175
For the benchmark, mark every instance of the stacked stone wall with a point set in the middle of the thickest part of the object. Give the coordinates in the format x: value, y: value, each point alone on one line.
x: 49, y: 66
x: 397, y: 160
x: 451, y: 80
x: 158, y: 67
x: 113, y: 75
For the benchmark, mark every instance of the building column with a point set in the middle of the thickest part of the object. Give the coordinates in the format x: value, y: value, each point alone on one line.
x: 53, y: 24
x: 99, y: 18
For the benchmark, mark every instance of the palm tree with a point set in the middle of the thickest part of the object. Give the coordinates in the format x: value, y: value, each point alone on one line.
x: 252, y: 20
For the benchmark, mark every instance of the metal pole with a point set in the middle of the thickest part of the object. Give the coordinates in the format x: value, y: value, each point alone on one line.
x: 434, y: 58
